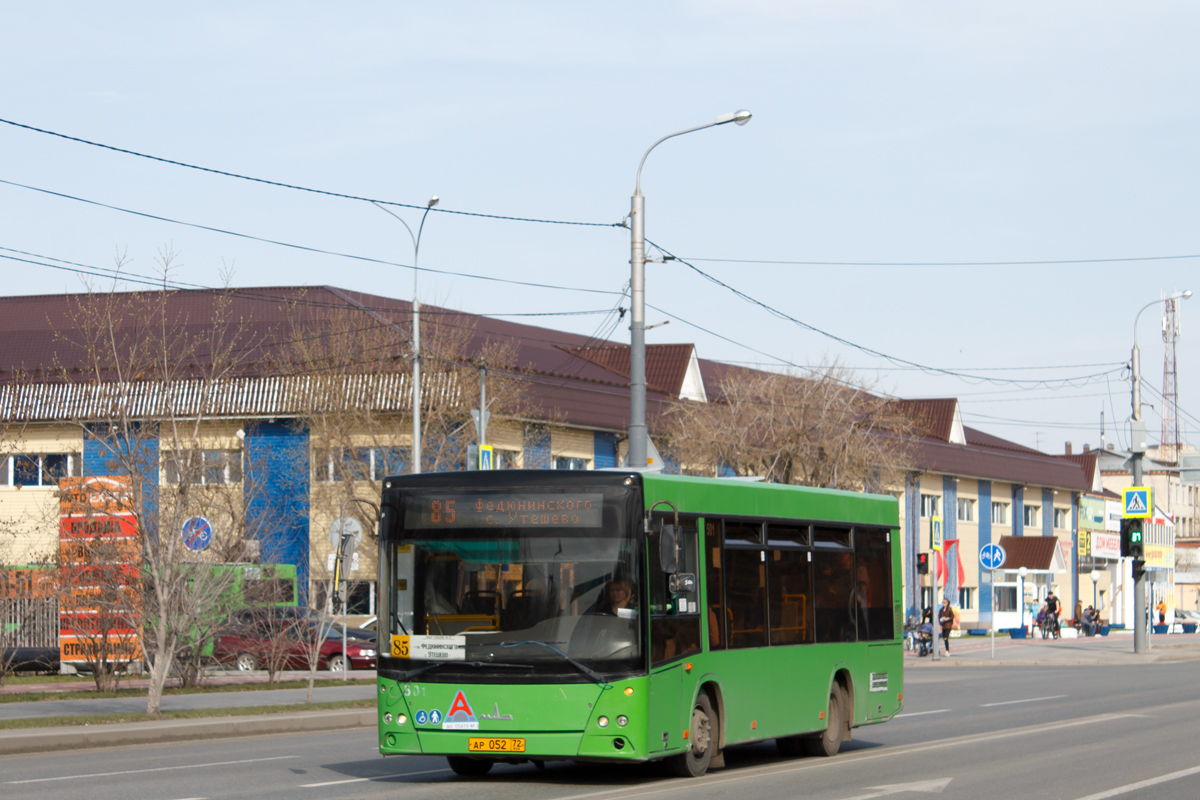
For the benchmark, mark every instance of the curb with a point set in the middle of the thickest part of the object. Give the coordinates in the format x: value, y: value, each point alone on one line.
x: 71, y: 737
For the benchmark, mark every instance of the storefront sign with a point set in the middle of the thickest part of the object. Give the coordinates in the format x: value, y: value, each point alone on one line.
x: 1106, y: 545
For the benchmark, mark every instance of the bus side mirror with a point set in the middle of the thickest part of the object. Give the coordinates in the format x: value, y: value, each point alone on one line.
x: 669, y: 549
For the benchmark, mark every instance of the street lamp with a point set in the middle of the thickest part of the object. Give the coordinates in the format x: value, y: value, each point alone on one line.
x: 637, y: 288
x: 416, y: 332
x: 1021, y: 573
x: 345, y: 567
x: 1136, y: 449
x: 1095, y: 580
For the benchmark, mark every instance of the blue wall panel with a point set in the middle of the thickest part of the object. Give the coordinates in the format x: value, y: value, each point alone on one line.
x: 276, y: 495
x: 1018, y: 509
x: 604, y: 450
x: 112, y: 455
x: 985, y: 537
x: 537, y: 447
x: 1047, y: 512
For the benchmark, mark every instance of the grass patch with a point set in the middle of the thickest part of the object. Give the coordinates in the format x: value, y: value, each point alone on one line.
x: 18, y: 678
x: 140, y: 691
x: 205, y: 713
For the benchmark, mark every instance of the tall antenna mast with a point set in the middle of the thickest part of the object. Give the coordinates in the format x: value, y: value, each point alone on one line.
x: 1170, y: 413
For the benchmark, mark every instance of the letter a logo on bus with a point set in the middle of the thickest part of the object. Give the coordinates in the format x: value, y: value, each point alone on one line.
x: 460, y: 717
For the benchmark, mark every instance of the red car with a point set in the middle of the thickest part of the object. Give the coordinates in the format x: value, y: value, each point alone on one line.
x: 287, y: 642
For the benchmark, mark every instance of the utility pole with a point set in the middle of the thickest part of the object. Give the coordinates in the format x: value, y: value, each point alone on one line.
x: 1137, y: 447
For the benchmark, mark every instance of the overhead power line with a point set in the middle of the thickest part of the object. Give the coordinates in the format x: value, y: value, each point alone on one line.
x: 295, y: 187
x: 942, y: 263
x: 304, y: 248
x: 1031, y: 382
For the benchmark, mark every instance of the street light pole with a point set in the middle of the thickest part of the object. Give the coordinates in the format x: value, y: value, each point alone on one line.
x: 342, y: 533
x: 416, y: 332
x: 1136, y: 449
x: 637, y: 288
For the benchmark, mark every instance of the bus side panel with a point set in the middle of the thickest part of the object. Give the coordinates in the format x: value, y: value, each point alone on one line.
x: 878, y: 692
x: 770, y: 691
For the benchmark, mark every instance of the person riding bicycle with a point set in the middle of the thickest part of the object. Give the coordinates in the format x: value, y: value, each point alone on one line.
x: 1053, y: 611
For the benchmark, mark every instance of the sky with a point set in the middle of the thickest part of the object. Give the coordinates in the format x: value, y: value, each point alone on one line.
x: 948, y: 199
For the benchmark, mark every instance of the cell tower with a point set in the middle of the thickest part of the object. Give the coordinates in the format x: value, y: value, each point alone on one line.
x: 1170, y: 413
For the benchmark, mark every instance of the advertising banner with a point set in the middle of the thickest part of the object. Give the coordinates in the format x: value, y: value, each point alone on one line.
x: 99, y: 552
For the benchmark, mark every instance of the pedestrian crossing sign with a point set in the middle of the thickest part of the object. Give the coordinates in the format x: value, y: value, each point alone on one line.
x: 1135, y: 502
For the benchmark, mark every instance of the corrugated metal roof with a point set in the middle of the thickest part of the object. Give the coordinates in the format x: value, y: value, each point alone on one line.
x: 666, y: 364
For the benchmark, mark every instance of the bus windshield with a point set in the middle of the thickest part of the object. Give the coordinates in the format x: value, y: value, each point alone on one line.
x: 518, y: 585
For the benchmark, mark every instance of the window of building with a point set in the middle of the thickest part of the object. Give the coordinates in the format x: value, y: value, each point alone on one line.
x: 999, y: 513
x: 1004, y: 598
x: 202, y: 467
x: 565, y: 462
x: 1031, y: 516
x: 1062, y: 519
x: 359, y: 463
x: 929, y: 505
x: 506, y: 459
x: 966, y: 509
x: 966, y: 597
x: 38, y: 469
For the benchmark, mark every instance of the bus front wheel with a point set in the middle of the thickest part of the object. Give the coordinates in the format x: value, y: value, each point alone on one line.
x: 827, y: 743
x: 703, y: 737
x: 469, y: 767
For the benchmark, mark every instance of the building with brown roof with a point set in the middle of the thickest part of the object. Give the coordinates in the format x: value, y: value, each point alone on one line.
x: 572, y: 414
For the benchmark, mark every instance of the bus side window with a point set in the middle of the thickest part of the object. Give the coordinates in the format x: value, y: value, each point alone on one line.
x: 745, y: 584
x: 833, y: 585
x: 873, y: 584
x: 714, y: 582
x: 675, y: 617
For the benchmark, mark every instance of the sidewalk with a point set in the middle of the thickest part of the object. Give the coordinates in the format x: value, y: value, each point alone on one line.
x: 69, y: 737
x: 1116, y: 648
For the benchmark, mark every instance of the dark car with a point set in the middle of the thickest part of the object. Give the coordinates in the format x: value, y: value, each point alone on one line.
x: 285, y: 638
x: 41, y: 659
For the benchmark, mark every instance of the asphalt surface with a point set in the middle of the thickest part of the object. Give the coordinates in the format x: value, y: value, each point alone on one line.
x: 965, y: 652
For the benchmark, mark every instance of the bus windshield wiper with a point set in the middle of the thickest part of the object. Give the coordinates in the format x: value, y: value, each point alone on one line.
x: 408, y: 676
x: 584, y: 668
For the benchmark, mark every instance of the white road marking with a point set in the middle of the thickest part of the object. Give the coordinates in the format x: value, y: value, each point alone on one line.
x: 1133, y: 787
x: 153, y: 769
x: 374, y: 778
x: 928, y: 787
x: 921, y: 713
x: 1028, y: 700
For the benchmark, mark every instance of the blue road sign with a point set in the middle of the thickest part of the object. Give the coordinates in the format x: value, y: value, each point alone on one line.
x: 197, y: 534
x: 991, y: 556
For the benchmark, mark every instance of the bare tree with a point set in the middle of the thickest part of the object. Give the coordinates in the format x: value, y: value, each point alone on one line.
x: 816, y: 430
x: 155, y: 381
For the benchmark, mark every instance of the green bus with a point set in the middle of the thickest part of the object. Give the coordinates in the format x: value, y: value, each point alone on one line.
x: 621, y: 616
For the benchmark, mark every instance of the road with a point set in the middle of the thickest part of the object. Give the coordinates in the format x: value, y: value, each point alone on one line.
x: 981, y: 733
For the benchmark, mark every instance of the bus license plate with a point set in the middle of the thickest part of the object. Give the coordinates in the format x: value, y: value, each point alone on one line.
x: 481, y: 745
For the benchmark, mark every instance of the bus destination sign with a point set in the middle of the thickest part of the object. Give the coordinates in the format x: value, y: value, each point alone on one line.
x: 515, y: 510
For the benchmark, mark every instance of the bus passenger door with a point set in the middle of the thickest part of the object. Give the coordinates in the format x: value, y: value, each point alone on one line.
x: 663, y: 730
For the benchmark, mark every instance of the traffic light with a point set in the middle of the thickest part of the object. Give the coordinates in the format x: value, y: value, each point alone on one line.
x: 922, y: 563
x: 1132, y: 544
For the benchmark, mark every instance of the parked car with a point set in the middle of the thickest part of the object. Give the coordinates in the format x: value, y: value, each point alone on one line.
x: 40, y: 659
x: 286, y: 638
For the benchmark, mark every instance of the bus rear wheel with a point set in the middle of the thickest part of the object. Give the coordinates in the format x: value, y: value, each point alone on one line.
x: 827, y: 743
x: 702, y: 734
x: 469, y: 767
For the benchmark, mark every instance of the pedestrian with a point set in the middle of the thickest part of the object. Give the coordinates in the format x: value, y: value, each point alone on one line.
x: 1162, y: 611
x: 946, y: 622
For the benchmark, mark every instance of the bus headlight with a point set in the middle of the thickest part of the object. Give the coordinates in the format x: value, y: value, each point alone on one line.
x: 622, y: 720
x: 401, y: 719
x: 602, y: 722
x: 388, y: 718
